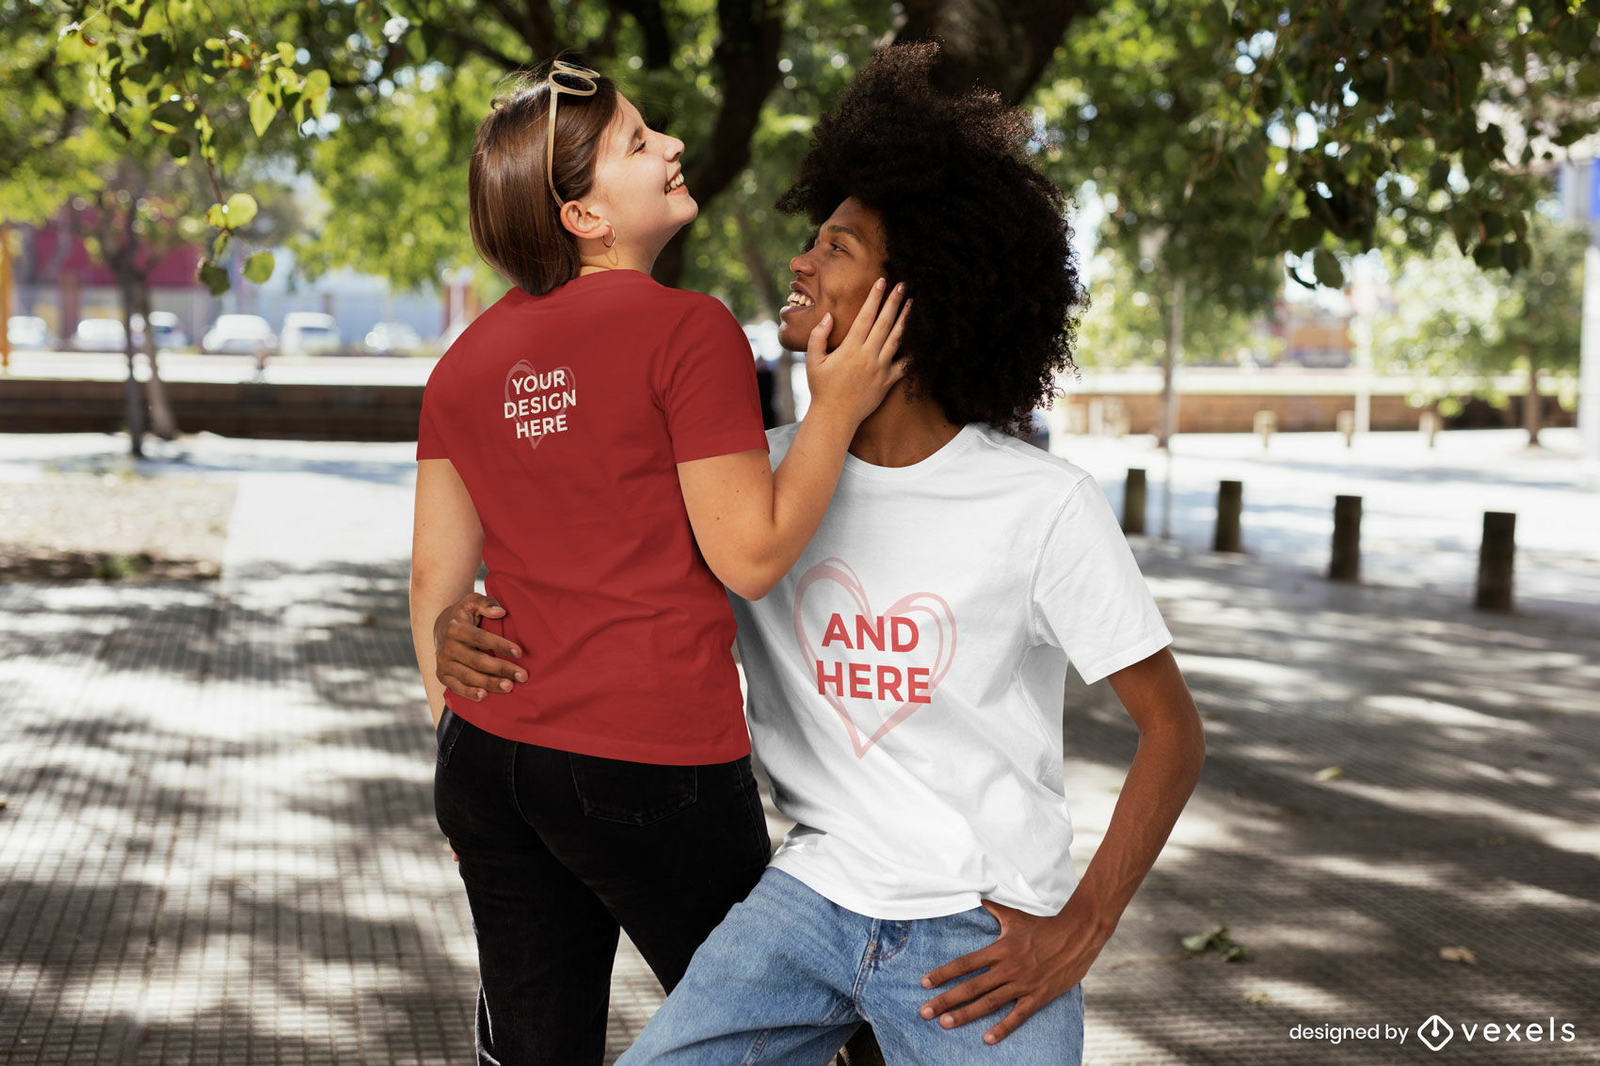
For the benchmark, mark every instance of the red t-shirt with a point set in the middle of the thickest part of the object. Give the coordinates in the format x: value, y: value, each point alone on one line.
x: 565, y: 416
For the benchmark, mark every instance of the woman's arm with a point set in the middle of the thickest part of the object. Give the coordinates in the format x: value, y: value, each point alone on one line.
x: 752, y: 522
x: 446, y: 551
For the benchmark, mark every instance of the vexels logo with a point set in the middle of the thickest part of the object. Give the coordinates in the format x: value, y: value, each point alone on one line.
x: 1435, y: 1032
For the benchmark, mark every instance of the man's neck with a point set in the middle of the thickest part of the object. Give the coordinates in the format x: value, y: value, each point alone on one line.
x: 902, y: 431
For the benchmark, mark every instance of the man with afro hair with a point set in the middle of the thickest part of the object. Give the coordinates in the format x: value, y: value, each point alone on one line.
x: 906, y: 677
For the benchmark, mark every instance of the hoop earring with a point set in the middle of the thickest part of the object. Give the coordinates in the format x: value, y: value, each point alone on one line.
x: 613, y: 234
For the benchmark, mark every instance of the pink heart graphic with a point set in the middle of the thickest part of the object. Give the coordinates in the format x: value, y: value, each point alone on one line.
x: 525, y: 369
x: 924, y: 603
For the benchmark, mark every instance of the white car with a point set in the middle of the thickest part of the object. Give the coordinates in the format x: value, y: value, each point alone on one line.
x: 396, y: 337
x: 168, y: 330
x: 28, y: 331
x: 240, y: 335
x: 310, y: 333
x: 100, y: 335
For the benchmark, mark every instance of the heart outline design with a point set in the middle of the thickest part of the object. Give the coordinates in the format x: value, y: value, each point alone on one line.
x: 523, y: 369
x: 931, y: 604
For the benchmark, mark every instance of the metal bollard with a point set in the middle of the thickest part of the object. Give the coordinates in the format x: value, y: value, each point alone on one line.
x: 1133, y: 495
x: 1345, y: 564
x: 1266, y: 424
x: 1345, y: 423
x: 1495, y: 560
x: 1230, y: 502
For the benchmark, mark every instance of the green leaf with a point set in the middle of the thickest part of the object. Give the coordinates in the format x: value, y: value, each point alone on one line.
x: 157, y: 51
x: 71, y: 48
x: 1202, y: 942
x: 1304, y: 233
x: 316, y: 89
x: 180, y: 148
x: 1326, y: 266
x: 219, y: 247
x: 262, y: 110
x: 214, y: 278
x: 170, y: 116
x: 217, y: 216
x: 258, y: 268
x: 100, y: 95
x: 241, y: 209
x: 1510, y: 257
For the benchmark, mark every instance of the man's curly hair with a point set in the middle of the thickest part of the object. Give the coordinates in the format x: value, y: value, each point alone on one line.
x: 979, y: 236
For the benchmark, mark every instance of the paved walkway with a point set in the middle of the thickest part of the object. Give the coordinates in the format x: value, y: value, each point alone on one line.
x: 218, y: 845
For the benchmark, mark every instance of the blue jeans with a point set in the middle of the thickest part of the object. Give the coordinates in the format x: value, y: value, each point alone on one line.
x: 788, y: 976
x: 560, y: 850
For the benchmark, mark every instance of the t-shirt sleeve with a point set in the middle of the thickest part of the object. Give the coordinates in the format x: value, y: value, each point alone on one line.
x: 708, y: 387
x: 430, y: 442
x: 1089, y: 598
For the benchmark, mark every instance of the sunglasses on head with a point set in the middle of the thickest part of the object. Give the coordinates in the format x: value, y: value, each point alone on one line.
x: 563, y: 78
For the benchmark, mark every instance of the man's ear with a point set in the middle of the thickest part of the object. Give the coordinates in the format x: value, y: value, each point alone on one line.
x: 581, y: 222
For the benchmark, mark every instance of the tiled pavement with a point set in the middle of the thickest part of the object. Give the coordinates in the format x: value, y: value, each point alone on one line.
x: 218, y: 846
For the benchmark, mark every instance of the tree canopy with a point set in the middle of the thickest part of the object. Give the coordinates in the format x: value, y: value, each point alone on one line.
x: 1455, y: 327
x: 1225, y: 133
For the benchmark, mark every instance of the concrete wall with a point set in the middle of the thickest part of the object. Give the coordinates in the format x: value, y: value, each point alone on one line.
x: 1224, y: 413
x: 389, y: 412
x: 246, y: 409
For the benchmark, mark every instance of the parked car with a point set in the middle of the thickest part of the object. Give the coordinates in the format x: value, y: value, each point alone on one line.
x: 240, y: 335
x: 309, y: 333
x: 100, y: 335
x: 28, y: 331
x: 392, y: 337
x: 168, y: 330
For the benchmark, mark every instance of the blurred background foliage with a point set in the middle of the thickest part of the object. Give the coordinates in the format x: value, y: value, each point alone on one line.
x: 1216, y: 142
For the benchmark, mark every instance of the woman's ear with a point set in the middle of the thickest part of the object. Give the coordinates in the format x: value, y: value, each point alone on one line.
x: 581, y: 222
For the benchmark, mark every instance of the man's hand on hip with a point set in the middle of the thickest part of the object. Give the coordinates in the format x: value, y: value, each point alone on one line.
x: 1032, y: 962
x: 469, y: 660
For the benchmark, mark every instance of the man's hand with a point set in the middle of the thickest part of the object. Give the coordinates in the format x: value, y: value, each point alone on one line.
x: 468, y: 659
x: 1032, y: 961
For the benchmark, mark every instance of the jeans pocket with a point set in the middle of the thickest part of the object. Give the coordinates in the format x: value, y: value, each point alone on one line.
x: 631, y: 793
x: 447, y: 733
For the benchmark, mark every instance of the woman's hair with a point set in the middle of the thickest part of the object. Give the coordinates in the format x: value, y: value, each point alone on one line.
x: 516, y: 225
x: 979, y: 236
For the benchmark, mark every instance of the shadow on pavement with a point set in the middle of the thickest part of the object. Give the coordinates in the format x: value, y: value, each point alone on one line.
x: 1388, y: 777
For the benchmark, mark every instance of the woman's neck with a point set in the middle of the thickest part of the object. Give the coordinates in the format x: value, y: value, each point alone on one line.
x: 598, y: 258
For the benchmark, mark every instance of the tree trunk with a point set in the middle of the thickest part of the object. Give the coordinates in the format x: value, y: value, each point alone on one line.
x: 1170, y: 359
x: 746, y: 53
x: 1003, y: 45
x: 162, y: 422
x: 133, y: 396
x: 1533, y: 405
x: 771, y: 299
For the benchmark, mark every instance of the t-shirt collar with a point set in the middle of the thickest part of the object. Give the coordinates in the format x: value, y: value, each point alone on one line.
x: 952, y: 449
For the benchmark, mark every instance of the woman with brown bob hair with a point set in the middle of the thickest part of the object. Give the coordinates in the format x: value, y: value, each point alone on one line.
x: 595, y: 440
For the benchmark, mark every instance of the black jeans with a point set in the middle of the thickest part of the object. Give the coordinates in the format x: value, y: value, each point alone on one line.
x: 560, y: 850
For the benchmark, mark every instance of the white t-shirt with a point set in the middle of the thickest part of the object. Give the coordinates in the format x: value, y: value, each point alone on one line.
x: 906, y: 678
